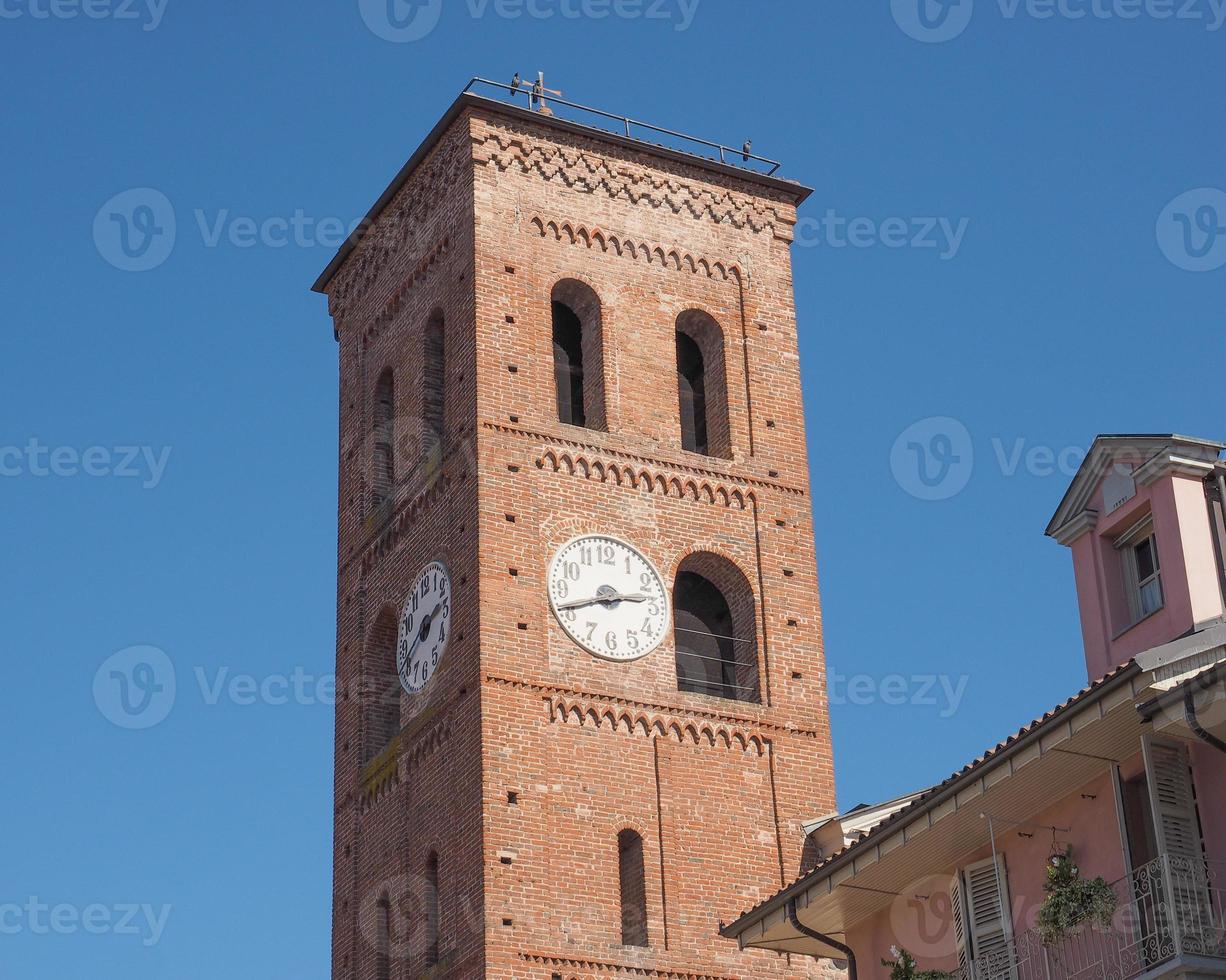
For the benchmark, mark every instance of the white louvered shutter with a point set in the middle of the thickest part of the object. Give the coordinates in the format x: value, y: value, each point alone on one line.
x: 1172, y: 799
x: 958, y: 914
x: 988, y: 919
x: 1177, y: 828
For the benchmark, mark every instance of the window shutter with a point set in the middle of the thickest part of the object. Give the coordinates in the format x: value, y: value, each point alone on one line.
x: 1172, y: 799
x: 988, y: 919
x: 1179, y: 843
x: 959, y: 918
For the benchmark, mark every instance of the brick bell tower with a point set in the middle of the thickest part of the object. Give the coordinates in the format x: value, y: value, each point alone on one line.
x: 582, y: 705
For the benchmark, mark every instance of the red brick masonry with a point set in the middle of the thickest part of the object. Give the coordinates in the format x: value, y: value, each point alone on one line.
x: 525, y: 756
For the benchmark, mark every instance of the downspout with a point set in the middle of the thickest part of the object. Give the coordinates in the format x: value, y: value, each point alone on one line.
x: 804, y: 930
x: 1189, y: 714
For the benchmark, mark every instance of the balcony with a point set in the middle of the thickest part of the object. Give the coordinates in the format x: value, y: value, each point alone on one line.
x: 1170, y: 920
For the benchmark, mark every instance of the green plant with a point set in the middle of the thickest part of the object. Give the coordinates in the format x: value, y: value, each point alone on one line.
x: 1072, y: 900
x: 903, y: 967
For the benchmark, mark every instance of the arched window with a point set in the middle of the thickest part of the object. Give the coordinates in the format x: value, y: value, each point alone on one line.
x: 578, y: 357
x: 714, y: 624
x: 384, y: 719
x: 383, y: 939
x: 702, y: 386
x: 431, y: 909
x: 632, y: 887
x: 691, y: 387
x: 383, y: 435
x: 434, y: 385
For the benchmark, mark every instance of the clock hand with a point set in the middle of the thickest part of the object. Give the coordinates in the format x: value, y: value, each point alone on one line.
x: 610, y: 597
x: 423, y: 632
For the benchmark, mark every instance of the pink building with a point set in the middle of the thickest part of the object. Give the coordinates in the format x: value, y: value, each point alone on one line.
x: 970, y: 878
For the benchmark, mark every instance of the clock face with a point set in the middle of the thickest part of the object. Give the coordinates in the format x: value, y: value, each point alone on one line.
x: 608, y: 597
x: 425, y: 627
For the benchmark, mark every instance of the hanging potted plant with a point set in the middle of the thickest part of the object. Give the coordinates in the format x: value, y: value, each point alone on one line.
x: 902, y: 966
x: 1072, y: 900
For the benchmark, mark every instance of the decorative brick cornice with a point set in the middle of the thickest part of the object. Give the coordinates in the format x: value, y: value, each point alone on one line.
x: 590, y: 447
x: 426, y: 191
x: 417, y: 275
x: 645, y: 480
x: 420, y: 738
x: 597, y: 713
x: 579, y: 164
x: 684, y: 715
x: 601, y: 967
x: 637, y: 251
x: 387, y: 528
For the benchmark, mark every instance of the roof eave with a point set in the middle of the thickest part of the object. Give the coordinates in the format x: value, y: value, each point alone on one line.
x: 907, y: 816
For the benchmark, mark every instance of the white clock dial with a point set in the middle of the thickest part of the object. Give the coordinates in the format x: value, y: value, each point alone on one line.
x: 608, y: 597
x: 425, y: 627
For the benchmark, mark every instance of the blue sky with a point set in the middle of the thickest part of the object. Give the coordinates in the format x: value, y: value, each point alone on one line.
x: 1011, y: 192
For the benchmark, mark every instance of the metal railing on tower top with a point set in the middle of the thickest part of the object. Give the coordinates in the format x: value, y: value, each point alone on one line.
x: 542, y: 98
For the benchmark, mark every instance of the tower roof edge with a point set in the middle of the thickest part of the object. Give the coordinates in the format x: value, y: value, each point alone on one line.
x: 794, y: 190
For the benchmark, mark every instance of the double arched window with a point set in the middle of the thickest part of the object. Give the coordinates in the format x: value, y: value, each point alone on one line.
x: 578, y: 354
x: 715, y: 629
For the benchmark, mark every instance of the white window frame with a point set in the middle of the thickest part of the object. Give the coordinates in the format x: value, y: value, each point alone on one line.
x: 1134, y: 585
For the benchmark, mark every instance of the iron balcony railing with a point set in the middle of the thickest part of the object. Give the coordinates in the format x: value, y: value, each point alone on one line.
x: 1169, y: 908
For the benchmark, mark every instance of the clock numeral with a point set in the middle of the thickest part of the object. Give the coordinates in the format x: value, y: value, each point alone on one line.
x: 607, y: 555
x: 632, y: 639
x: 591, y: 630
x: 572, y: 571
x: 610, y: 641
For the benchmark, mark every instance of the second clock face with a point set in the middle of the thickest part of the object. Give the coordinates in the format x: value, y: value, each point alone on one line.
x: 608, y: 597
x: 425, y: 627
